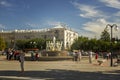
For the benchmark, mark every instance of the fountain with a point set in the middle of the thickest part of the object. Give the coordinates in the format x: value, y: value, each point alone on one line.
x: 54, y: 45
x: 54, y: 48
x: 54, y: 51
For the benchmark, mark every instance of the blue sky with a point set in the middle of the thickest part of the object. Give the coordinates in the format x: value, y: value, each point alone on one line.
x: 87, y: 17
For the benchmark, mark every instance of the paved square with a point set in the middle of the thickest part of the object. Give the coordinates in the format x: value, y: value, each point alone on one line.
x: 58, y: 70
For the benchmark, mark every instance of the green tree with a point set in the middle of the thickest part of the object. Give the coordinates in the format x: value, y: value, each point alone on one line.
x: 38, y: 43
x: 20, y: 44
x: 93, y: 44
x: 80, y: 43
x: 105, y: 36
x: 2, y: 44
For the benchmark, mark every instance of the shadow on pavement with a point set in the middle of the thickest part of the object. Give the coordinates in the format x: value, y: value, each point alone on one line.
x: 58, y: 74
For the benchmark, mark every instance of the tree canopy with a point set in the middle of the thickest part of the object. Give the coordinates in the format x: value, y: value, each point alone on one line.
x: 2, y: 44
x: 105, y: 36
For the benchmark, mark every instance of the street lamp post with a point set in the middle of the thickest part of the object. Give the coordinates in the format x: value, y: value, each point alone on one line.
x: 111, y: 29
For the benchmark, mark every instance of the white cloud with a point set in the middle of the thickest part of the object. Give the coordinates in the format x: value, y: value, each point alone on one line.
x: 5, y: 4
x: 57, y: 24
x: 99, y: 19
x: 112, y: 3
x: 53, y: 23
x: 32, y: 25
x: 2, y: 26
x: 88, y: 11
x: 95, y: 26
x: 117, y: 14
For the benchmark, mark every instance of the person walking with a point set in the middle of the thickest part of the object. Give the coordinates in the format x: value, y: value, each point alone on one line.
x: 21, y: 60
x: 96, y: 56
x: 76, y: 56
x: 79, y: 55
x: 37, y: 56
x: 90, y: 56
x: 32, y: 56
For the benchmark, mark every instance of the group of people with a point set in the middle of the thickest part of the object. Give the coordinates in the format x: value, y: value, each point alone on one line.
x: 77, y: 55
x: 34, y: 56
x: 12, y: 54
x: 19, y: 55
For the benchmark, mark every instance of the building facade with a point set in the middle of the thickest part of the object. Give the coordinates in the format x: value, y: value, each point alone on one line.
x: 67, y: 36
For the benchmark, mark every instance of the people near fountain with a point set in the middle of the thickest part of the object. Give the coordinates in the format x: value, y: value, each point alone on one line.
x: 32, y: 56
x: 37, y: 56
x: 108, y: 55
x: 7, y: 53
x: 76, y: 56
x: 10, y: 54
x: 96, y: 56
x: 16, y: 54
x: 79, y: 55
x: 90, y: 56
x: 73, y: 54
